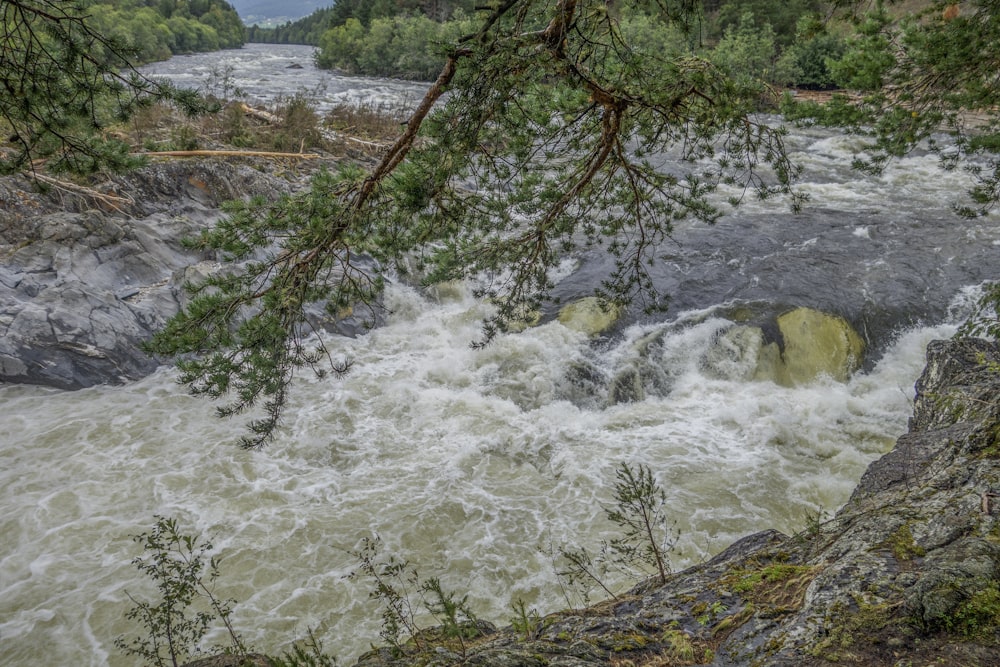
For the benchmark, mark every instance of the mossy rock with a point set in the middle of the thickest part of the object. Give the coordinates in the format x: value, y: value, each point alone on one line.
x: 590, y: 315
x: 818, y: 343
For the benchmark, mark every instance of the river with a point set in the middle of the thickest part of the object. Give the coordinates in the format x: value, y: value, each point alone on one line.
x: 476, y: 464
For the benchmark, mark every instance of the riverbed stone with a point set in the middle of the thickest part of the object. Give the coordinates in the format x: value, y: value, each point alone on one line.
x: 818, y: 343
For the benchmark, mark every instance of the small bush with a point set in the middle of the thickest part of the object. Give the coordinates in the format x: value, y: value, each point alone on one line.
x: 187, y: 605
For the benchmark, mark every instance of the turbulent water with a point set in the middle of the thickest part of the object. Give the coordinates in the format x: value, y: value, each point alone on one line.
x: 475, y: 465
x: 265, y: 73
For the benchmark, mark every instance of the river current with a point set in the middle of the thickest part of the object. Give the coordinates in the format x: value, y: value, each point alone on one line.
x: 476, y: 464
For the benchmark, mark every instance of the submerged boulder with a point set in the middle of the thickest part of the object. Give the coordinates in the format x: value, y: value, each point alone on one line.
x: 809, y: 344
x: 818, y: 343
x: 590, y: 315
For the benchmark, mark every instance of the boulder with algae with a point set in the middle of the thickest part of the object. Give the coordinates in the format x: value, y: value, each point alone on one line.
x: 812, y: 344
x: 907, y: 573
x: 590, y: 315
x: 818, y: 343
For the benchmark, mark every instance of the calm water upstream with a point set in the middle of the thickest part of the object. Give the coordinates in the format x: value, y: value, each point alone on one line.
x: 473, y: 464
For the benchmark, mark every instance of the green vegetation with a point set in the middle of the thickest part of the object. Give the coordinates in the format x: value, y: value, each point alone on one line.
x: 186, y: 606
x: 979, y: 616
x: 558, y: 115
x: 402, y: 596
x: 553, y: 111
x: 902, y: 544
x: 161, y: 28
x: 184, y: 574
x: 65, y: 84
x: 862, y: 623
x: 306, y: 30
x: 642, y: 547
x: 747, y: 36
x: 526, y: 620
x: 409, y: 47
x: 638, y: 510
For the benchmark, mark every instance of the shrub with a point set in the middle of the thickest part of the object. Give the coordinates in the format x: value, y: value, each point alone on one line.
x: 184, y: 574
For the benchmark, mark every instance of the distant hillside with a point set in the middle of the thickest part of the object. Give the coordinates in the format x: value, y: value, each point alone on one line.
x: 276, y: 12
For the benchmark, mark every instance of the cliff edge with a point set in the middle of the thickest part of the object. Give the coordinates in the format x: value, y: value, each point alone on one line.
x: 906, y: 573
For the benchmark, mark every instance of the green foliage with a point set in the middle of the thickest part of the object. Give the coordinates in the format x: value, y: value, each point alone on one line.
x: 306, y: 30
x: 367, y: 10
x: 557, y: 120
x: 804, y: 64
x: 867, y: 61
x: 258, y: 357
x: 526, y: 621
x: 455, y: 617
x: 160, y: 29
x: 925, y: 74
x: 781, y: 15
x: 643, y: 546
x: 402, y: 595
x: 581, y: 572
x: 902, y: 544
x: 64, y: 83
x: 408, y: 47
x: 747, y: 49
x: 308, y: 653
x: 184, y: 575
x: 985, y: 321
x: 747, y: 581
x: 639, y: 512
x: 977, y: 616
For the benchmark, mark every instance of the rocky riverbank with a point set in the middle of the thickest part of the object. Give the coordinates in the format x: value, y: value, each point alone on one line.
x: 906, y: 573
x: 88, y: 274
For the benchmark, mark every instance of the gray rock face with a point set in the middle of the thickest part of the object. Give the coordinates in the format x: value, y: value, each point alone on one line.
x: 906, y: 573
x: 84, y: 280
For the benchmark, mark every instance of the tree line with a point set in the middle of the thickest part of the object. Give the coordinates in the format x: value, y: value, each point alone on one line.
x: 786, y: 42
x: 159, y: 29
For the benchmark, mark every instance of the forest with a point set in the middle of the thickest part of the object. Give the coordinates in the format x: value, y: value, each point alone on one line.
x: 787, y: 43
x: 159, y: 29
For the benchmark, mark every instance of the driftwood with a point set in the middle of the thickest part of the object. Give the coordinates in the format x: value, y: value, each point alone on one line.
x: 333, y: 135
x: 226, y: 153
x: 112, y: 201
x: 259, y: 114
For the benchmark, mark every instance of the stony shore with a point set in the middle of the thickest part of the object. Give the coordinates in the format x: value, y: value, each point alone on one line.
x: 89, y: 273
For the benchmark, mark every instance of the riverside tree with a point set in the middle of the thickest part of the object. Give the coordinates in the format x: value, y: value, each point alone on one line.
x: 548, y: 141
x: 63, y: 83
x: 928, y: 74
x: 544, y: 133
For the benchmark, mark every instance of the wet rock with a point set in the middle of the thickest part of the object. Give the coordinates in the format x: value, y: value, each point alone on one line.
x: 589, y: 315
x: 232, y: 660
x: 82, y: 286
x: 906, y: 573
x: 818, y: 343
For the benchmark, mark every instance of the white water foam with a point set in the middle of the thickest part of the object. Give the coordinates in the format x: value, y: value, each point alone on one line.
x: 467, y: 462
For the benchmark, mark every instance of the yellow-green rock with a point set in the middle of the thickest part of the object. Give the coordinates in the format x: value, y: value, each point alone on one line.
x: 817, y: 343
x: 523, y: 319
x: 589, y: 315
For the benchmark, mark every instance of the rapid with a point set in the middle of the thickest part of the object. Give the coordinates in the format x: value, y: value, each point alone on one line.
x: 477, y: 464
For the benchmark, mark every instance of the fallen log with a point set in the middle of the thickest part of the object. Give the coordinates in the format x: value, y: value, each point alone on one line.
x: 228, y: 153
